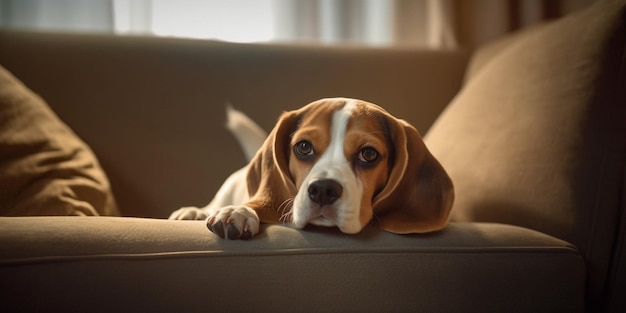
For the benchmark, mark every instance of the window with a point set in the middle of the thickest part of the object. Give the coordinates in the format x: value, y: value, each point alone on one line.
x: 232, y: 20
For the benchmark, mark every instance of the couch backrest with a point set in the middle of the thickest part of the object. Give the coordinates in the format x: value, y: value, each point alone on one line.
x: 537, y: 138
x: 152, y: 109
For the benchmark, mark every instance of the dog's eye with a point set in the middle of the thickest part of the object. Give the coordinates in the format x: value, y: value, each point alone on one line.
x: 303, y: 149
x: 368, y: 155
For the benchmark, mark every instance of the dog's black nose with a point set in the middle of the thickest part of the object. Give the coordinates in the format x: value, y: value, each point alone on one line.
x: 325, y: 191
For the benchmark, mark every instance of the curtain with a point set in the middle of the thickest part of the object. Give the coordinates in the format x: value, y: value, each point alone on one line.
x: 478, y: 21
x: 427, y: 23
x: 66, y: 15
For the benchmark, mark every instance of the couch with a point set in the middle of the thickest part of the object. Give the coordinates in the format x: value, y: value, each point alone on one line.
x: 120, y: 131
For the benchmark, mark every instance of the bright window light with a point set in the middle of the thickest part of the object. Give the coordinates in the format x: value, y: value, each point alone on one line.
x: 232, y: 20
x: 325, y: 21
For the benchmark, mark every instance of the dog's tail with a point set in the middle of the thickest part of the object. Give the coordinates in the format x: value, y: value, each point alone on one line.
x: 249, y: 134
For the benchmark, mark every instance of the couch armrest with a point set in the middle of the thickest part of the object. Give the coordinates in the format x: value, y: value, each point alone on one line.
x: 132, y: 264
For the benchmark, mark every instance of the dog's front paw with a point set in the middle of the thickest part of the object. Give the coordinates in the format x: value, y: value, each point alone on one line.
x: 188, y: 213
x: 234, y: 222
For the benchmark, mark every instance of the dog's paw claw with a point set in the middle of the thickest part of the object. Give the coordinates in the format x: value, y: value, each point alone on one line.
x: 233, y: 222
x: 232, y: 232
x: 246, y: 235
x: 218, y: 229
x: 228, y: 231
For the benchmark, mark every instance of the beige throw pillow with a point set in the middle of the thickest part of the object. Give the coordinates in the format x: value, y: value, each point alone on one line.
x: 45, y: 169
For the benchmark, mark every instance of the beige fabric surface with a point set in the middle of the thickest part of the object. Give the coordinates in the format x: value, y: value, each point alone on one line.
x: 536, y: 137
x: 45, y: 169
x: 120, y: 264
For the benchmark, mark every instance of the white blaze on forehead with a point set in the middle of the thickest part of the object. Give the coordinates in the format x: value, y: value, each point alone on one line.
x: 339, y: 126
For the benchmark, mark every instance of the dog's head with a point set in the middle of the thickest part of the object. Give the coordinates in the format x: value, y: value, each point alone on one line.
x: 344, y: 162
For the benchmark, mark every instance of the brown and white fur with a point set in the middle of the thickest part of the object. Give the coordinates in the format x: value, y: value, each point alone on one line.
x: 335, y: 162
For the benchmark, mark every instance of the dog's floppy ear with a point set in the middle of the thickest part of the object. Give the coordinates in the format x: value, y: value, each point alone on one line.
x: 269, y: 182
x: 419, y: 194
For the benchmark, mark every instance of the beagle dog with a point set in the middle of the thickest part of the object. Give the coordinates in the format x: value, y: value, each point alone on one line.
x: 335, y: 162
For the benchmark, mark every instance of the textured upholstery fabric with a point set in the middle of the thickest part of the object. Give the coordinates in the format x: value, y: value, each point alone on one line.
x: 537, y: 136
x: 45, y: 169
x: 147, y: 265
